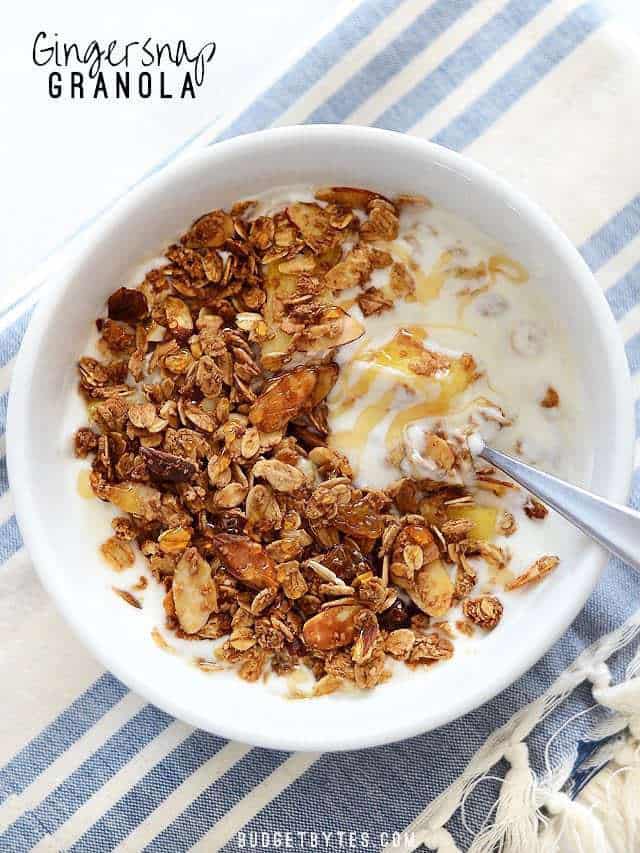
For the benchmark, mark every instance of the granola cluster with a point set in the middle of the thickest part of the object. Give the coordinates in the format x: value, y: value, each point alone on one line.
x: 208, y: 430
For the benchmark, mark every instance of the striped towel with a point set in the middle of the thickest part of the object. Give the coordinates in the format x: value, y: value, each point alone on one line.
x: 544, y: 92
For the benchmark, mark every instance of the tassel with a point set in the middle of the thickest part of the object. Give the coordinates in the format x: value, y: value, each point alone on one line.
x: 624, y: 698
x: 574, y: 828
x: 612, y: 798
x: 517, y: 820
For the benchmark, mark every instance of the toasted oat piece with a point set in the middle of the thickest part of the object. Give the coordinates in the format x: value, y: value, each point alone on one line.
x: 551, y: 399
x: 535, y: 572
x: 485, y: 611
x: 130, y: 599
x: 118, y: 553
x: 534, y: 508
x: 373, y: 301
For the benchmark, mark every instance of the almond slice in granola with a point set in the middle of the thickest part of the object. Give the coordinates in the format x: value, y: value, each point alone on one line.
x: 347, y: 196
x: 331, y: 628
x: 246, y: 560
x: 333, y: 328
x: 211, y: 230
x: 287, y: 396
x: 313, y: 223
x: 280, y: 475
x: 194, y: 591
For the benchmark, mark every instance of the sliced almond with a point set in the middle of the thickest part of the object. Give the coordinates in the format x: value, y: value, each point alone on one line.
x: 346, y: 196
x: 174, y: 540
x: 280, y: 475
x: 246, y: 560
x: 179, y: 320
x: 331, y: 628
x: 313, y: 223
x: 211, y: 230
x: 434, y: 589
x: 194, y: 591
x: 285, y: 398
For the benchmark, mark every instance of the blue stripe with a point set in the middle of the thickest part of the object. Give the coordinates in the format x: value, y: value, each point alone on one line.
x: 25, y: 767
x: 533, y: 66
x: 632, y: 350
x: 213, y: 803
x: 4, y: 403
x: 412, y: 41
x: 625, y: 293
x: 311, y: 68
x: 147, y: 794
x: 613, y: 236
x: 459, y: 65
x: 11, y: 338
x: 4, y: 476
x: 10, y: 539
x: 58, y: 806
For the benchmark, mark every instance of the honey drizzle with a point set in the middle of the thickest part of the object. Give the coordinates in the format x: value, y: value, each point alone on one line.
x: 453, y: 383
x: 356, y: 437
x: 428, y: 288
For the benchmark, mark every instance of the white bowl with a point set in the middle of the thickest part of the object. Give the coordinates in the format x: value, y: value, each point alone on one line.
x: 52, y: 517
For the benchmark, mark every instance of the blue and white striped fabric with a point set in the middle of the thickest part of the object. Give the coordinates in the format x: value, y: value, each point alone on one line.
x: 544, y: 92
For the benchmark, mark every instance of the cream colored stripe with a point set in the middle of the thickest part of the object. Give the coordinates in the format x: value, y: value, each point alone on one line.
x: 178, y: 801
x: 70, y: 760
x: 493, y: 68
x: 629, y: 325
x: 424, y: 63
x: 249, y: 806
x: 354, y: 60
x: 43, y: 683
x: 122, y: 782
x: 555, y: 142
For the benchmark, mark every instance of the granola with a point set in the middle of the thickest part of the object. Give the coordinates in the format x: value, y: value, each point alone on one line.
x: 214, y: 410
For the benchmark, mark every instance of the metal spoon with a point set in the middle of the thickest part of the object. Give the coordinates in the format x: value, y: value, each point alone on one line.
x: 615, y: 527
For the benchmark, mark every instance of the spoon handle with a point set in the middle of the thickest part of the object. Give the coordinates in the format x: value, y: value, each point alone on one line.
x: 615, y: 527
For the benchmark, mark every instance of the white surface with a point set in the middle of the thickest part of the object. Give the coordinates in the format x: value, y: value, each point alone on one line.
x: 50, y: 512
x: 64, y: 160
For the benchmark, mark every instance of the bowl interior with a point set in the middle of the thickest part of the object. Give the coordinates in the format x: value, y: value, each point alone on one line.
x: 62, y: 537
